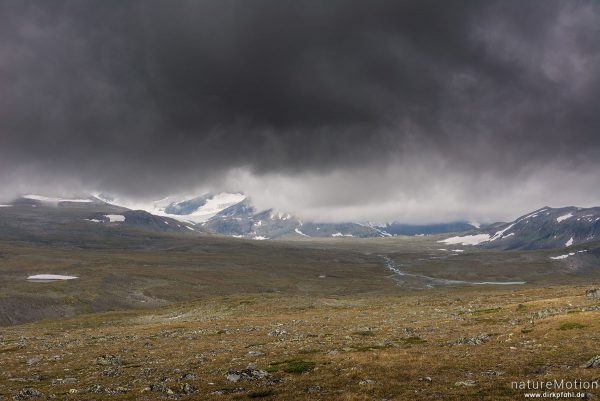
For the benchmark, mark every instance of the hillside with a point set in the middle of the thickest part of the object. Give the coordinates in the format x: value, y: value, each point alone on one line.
x: 567, y: 227
x: 453, y: 344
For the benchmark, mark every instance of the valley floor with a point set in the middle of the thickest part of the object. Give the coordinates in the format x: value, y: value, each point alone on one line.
x: 443, y: 344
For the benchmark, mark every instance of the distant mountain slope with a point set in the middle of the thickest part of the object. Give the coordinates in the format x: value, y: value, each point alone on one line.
x: 429, y: 229
x: 231, y: 214
x: 33, y: 217
x: 243, y: 220
x: 544, y: 228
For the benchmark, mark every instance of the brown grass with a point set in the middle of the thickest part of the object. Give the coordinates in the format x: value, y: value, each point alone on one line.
x: 322, y: 356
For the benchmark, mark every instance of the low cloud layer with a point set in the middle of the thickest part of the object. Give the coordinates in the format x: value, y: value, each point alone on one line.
x: 414, y: 111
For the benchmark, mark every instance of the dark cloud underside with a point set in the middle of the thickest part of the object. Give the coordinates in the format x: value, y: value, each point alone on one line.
x: 148, y: 96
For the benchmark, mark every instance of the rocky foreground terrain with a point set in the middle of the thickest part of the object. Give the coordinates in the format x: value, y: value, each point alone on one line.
x: 450, y: 344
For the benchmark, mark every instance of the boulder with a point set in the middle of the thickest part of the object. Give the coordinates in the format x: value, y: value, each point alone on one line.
x: 593, y: 293
x: 592, y: 363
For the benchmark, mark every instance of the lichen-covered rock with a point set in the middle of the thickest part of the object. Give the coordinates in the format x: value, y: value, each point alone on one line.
x: 160, y: 388
x: 246, y: 374
x: 109, y: 360
x: 592, y: 363
x: 278, y: 332
x: 186, y: 388
x: 477, y: 340
x: 465, y: 383
x: 27, y: 394
x: 593, y: 293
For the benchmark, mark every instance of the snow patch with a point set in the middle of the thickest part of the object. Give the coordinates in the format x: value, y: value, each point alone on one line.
x: 51, y: 277
x: 569, y: 242
x: 564, y: 217
x: 5, y: 205
x: 562, y: 256
x: 467, y: 239
x: 500, y: 234
x: 115, y: 218
x: 300, y: 232
x: 341, y: 235
x: 216, y: 204
x: 534, y: 214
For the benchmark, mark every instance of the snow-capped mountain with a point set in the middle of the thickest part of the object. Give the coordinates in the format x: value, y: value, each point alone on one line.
x: 233, y: 214
x: 243, y: 220
x: 195, y: 210
x: 544, y: 228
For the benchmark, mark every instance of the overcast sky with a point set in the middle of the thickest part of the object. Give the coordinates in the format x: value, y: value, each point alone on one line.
x: 416, y: 111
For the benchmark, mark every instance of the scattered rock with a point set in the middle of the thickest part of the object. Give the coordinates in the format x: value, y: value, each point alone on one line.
x: 246, y: 374
x: 33, y: 361
x: 27, y: 394
x: 112, y: 371
x: 278, y: 332
x: 66, y: 380
x: 592, y: 363
x: 160, y: 388
x: 492, y: 373
x: 313, y: 389
x: 186, y: 388
x: 99, y: 389
x: 542, y: 314
x: 425, y: 379
x: 255, y: 353
x: 477, y: 340
x: 237, y: 390
x: 408, y: 331
x: 465, y: 383
x: 233, y: 377
x: 593, y: 293
x: 109, y: 360
x: 96, y: 389
x: 118, y: 390
x: 366, y: 382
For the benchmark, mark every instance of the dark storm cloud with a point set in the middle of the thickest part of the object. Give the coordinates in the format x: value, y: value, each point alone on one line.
x: 150, y: 96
